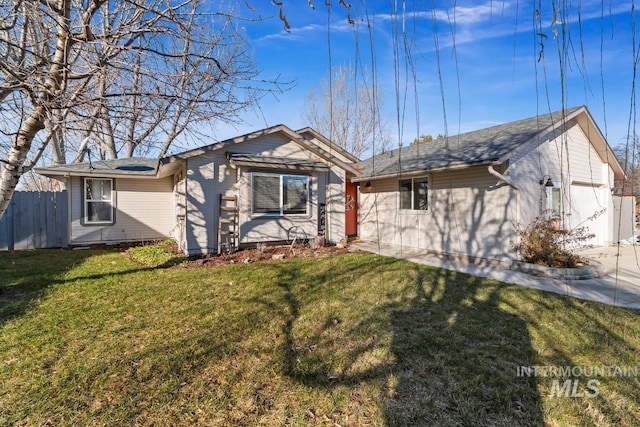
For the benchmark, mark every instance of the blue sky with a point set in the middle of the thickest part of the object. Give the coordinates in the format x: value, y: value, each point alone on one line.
x: 476, y: 64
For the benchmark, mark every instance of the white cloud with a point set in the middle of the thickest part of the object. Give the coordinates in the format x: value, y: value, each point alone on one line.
x: 299, y: 33
x: 462, y: 15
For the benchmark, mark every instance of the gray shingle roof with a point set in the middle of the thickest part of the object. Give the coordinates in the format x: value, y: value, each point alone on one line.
x: 483, y: 146
x: 135, y: 166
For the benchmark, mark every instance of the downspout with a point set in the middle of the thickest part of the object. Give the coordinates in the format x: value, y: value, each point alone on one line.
x: 507, y: 181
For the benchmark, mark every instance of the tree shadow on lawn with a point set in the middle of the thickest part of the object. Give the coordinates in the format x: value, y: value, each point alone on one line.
x: 26, y: 276
x: 452, y: 353
x: 447, y: 348
x: 457, y: 345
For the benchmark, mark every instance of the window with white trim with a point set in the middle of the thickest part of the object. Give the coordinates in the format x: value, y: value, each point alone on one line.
x: 554, y: 202
x: 276, y: 194
x: 414, y: 194
x: 98, y: 201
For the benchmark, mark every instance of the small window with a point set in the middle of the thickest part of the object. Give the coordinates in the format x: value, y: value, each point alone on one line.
x: 554, y: 197
x: 98, y: 201
x: 414, y: 194
x: 274, y: 194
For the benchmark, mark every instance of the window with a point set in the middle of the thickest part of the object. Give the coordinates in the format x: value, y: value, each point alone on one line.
x: 554, y: 202
x: 280, y: 194
x: 414, y: 194
x: 98, y: 206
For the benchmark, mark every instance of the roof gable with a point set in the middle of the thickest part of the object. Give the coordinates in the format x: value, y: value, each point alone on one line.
x: 315, y: 145
x: 314, y: 134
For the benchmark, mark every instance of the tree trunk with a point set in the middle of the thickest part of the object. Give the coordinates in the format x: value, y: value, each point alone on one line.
x: 12, y: 170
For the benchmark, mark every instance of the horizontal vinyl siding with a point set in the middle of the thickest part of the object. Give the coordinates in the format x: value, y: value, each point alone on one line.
x: 274, y: 145
x: 203, y: 183
x: 465, y: 215
x: 573, y: 164
x: 210, y: 175
x: 145, y: 208
x: 585, y: 164
x: 255, y: 228
x: 143, y: 211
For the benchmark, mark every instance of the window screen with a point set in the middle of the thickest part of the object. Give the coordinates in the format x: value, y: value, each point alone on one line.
x: 98, y: 200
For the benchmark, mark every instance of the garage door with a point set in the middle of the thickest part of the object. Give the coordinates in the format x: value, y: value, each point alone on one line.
x: 587, y: 204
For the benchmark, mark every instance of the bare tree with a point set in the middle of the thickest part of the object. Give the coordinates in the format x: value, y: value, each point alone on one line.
x: 628, y: 155
x: 130, y: 76
x: 348, y: 112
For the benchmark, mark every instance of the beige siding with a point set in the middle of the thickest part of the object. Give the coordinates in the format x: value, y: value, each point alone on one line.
x: 574, y: 165
x: 143, y: 211
x: 210, y: 175
x: 256, y: 228
x: 466, y: 215
x: 180, y: 200
x: 201, y: 202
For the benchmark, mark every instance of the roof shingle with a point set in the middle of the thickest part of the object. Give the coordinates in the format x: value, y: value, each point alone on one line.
x: 483, y: 146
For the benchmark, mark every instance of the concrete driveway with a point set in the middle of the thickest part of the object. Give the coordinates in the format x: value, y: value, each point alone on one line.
x: 620, y: 286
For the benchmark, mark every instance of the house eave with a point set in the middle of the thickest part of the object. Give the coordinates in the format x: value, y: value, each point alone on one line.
x: 408, y: 174
x: 98, y: 173
x: 263, y: 162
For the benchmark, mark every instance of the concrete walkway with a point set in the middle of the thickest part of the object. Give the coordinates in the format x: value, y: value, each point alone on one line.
x: 619, y: 287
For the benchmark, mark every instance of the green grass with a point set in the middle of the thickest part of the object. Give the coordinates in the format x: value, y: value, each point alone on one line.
x: 94, y: 338
x: 155, y: 255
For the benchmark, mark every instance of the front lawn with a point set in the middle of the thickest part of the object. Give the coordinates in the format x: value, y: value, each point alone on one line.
x: 94, y: 338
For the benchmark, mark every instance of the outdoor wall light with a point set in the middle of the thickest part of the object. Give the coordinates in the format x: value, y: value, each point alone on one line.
x: 549, y: 182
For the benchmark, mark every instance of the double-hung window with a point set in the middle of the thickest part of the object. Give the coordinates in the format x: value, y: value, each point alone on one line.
x: 414, y: 194
x: 98, y: 201
x: 276, y: 194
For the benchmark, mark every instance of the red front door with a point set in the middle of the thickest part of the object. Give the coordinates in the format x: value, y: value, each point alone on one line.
x: 351, y: 209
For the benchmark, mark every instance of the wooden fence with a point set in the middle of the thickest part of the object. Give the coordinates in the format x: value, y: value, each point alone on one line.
x: 35, y: 220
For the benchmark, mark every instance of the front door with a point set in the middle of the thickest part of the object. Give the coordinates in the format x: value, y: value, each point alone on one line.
x: 351, y: 210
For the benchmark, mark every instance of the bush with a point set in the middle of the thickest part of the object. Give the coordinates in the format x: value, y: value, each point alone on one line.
x: 544, y: 242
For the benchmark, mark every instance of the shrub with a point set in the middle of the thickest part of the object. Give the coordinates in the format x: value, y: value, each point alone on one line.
x: 545, y: 242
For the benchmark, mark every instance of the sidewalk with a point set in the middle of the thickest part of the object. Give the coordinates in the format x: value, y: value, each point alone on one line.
x: 621, y: 289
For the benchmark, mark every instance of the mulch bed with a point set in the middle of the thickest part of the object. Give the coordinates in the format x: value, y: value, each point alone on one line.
x: 268, y: 254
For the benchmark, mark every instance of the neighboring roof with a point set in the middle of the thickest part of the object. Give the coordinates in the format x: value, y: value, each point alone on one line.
x: 269, y: 161
x: 481, y: 147
x: 135, y: 166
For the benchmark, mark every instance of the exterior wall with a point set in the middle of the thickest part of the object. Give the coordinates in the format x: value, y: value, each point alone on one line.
x: 573, y: 165
x: 180, y: 204
x: 210, y: 175
x: 624, y: 218
x: 468, y: 215
x: 336, y: 200
x: 255, y: 228
x: 143, y: 211
x: 204, y: 180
